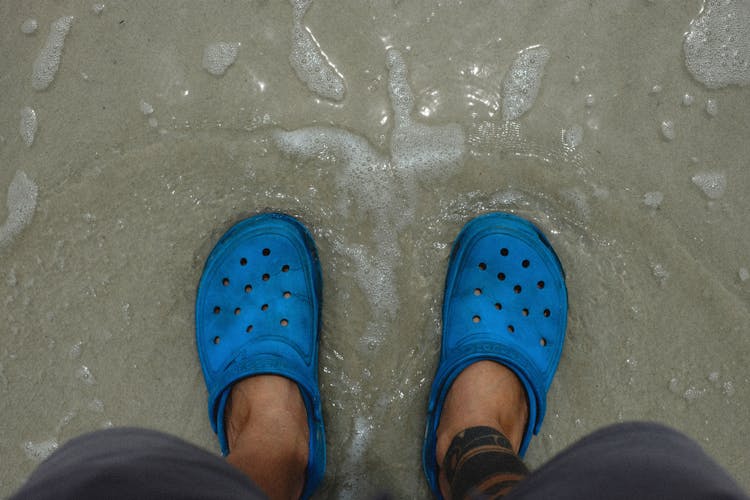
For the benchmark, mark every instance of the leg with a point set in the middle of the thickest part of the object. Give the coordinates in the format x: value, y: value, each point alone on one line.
x: 257, y: 328
x: 135, y: 463
x: 633, y: 460
x: 504, y: 319
x: 480, y: 432
x: 268, y: 434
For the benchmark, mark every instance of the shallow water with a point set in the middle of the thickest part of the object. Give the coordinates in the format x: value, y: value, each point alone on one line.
x: 140, y: 159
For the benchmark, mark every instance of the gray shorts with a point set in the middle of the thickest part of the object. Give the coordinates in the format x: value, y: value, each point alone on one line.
x: 624, y: 461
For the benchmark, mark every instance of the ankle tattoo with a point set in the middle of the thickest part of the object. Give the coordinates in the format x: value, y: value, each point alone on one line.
x: 481, y: 463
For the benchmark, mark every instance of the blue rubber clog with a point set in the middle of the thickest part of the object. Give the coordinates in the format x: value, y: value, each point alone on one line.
x: 258, y: 312
x: 505, y: 300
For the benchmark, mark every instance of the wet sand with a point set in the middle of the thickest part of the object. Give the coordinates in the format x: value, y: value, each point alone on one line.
x: 97, y: 285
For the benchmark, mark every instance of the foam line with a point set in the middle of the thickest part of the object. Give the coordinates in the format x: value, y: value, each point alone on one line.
x: 48, y: 61
x: 521, y: 84
x: 21, y: 203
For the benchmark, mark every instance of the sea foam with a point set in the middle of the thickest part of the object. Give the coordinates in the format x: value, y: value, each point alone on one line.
x: 217, y: 57
x: 21, y: 203
x: 521, y: 85
x: 717, y: 44
x: 310, y: 62
x: 28, y: 125
x: 415, y: 146
x: 48, y: 61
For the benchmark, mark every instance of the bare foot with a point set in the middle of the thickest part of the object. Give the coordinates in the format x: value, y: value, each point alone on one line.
x: 268, y: 434
x: 485, y: 394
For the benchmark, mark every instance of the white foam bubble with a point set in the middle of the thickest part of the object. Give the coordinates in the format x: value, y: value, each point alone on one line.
x: 743, y: 274
x: 572, y: 137
x: 98, y: 8
x: 75, y: 350
x: 41, y: 450
x: 717, y: 44
x: 21, y: 203
x: 415, y: 146
x: 146, y: 108
x: 660, y: 273
x: 29, y: 26
x: 713, y: 184
x: 667, y: 130
x: 427, y: 148
x: 217, y: 57
x: 313, y: 66
x: 300, y: 7
x: 728, y: 388
x: 692, y: 393
x: 84, y: 374
x: 712, y: 106
x: 365, y: 173
x: 48, y: 61
x: 402, y: 98
x: 653, y: 199
x: 28, y: 125
x: 310, y: 62
x: 522, y: 83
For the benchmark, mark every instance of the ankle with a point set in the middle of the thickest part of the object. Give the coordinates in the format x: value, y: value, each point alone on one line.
x: 265, y: 402
x: 268, y: 434
x: 485, y: 394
